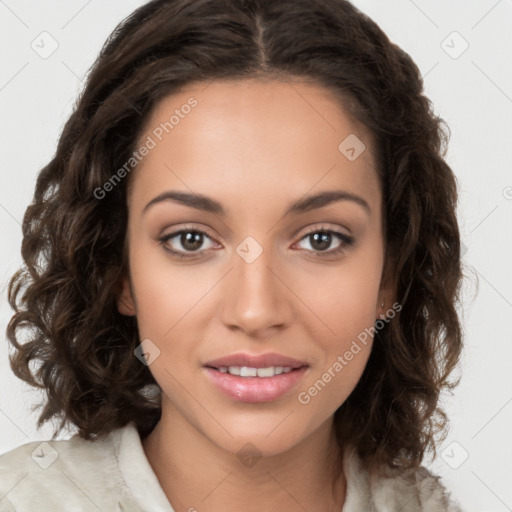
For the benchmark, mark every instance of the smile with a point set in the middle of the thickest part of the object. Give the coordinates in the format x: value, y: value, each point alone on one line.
x: 247, y: 371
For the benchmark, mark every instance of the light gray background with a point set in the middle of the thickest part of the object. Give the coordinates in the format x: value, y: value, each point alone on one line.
x: 472, y: 91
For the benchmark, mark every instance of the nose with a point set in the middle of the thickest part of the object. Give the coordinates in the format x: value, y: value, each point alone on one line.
x: 255, y: 296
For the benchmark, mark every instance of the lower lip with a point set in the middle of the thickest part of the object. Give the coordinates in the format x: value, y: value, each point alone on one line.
x: 255, y: 389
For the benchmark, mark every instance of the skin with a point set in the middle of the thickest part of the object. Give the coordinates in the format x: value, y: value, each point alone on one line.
x: 255, y: 147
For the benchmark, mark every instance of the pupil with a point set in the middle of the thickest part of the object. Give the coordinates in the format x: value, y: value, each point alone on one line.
x: 322, y: 238
x: 191, y: 240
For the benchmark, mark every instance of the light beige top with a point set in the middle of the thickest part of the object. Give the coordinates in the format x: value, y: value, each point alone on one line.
x: 112, y: 474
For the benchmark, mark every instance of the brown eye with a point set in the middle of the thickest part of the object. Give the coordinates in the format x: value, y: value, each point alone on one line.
x: 185, y: 240
x: 321, y: 239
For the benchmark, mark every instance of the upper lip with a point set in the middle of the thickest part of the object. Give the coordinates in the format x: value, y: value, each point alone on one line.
x: 259, y: 361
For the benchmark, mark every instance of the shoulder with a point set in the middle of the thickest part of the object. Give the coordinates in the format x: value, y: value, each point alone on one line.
x: 414, y: 490
x: 43, y: 475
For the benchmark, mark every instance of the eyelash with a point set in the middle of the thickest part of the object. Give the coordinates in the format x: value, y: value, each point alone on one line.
x: 346, y: 240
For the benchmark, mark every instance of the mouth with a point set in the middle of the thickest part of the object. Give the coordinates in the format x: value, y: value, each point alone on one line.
x: 248, y: 371
x: 258, y: 362
x: 253, y: 379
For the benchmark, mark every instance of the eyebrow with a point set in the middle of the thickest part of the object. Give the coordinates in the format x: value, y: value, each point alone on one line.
x: 305, y: 204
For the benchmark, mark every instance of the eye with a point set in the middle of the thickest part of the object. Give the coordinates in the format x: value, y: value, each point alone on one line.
x: 321, y: 238
x: 191, y: 240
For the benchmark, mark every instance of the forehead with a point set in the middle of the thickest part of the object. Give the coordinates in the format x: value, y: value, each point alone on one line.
x: 252, y: 134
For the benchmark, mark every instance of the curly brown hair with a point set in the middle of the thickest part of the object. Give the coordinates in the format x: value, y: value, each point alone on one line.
x: 74, y: 245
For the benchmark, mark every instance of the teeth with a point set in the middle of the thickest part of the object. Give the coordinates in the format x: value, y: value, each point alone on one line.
x: 266, y: 372
x: 247, y: 371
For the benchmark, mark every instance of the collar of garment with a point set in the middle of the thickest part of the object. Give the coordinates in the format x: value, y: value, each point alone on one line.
x: 113, y: 473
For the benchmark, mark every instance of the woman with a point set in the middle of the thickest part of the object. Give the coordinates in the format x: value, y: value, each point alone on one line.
x: 242, y: 271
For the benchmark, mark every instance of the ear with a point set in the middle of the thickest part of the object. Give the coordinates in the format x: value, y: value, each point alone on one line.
x: 125, y: 301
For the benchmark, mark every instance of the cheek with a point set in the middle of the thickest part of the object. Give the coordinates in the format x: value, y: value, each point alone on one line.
x: 342, y: 301
x: 343, y: 331
x: 165, y: 292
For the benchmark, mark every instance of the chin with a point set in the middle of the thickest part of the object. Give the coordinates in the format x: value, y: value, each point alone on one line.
x: 259, y: 440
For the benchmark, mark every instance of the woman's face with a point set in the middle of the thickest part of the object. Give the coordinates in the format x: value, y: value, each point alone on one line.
x: 258, y: 276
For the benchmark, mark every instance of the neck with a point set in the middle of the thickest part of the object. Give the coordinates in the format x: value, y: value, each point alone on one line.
x: 197, y: 475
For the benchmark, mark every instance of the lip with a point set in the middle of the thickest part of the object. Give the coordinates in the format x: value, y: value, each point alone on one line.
x: 255, y: 389
x: 256, y: 361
